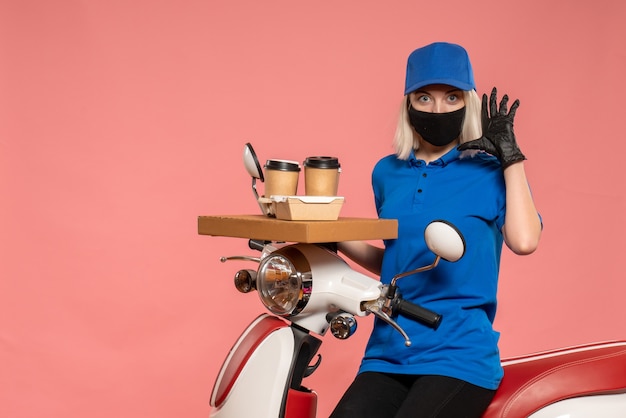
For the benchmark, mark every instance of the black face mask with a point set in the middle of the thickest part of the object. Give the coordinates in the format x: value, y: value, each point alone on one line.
x: 438, y: 129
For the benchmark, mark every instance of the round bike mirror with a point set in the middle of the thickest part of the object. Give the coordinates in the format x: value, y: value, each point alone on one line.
x: 251, y: 162
x: 445, y: 240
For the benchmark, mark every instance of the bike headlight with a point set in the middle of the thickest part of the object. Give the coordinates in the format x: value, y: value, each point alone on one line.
x: 284, y: 282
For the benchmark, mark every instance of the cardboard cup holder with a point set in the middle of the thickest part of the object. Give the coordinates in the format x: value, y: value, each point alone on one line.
x: 304, y: 208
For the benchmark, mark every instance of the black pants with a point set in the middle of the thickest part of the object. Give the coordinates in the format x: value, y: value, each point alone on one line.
x: 383, y: 395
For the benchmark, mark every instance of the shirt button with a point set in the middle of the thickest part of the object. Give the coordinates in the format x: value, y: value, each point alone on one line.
x: 424, y: 175
x: 419, y: 190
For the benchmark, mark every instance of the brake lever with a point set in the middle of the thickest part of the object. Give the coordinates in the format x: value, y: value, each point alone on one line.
x: 378, y: 312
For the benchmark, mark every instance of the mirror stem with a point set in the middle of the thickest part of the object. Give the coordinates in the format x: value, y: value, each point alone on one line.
x: 391, y: 290
x: 418, y: 270
x: 256, y: 196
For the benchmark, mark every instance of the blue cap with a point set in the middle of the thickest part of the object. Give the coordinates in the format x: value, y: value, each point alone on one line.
x: 439, y: 63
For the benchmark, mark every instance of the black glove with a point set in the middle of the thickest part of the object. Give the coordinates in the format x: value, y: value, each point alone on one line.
x: 498, y: 138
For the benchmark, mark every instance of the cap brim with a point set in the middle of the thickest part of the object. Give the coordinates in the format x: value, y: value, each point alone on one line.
x: 454, y: 83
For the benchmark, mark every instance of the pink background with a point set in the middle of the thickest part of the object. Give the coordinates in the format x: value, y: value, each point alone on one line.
x: 122, y: 121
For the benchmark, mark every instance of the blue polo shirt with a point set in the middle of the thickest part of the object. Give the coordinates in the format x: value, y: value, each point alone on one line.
x: 470, y: 193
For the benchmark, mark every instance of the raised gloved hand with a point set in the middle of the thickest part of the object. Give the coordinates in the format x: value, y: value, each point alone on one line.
x: 498, y: 138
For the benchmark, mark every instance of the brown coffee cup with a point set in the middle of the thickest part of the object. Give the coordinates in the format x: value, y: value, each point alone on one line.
x: 321, y: 176
x: 281, y: 178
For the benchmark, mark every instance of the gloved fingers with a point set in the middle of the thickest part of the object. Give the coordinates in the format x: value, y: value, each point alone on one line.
x: 484, y: 113
x: 514, y: 107
x: 504, y: 105
x: 493, y: 102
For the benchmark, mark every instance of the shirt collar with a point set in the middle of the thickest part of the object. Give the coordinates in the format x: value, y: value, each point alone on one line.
x: 442, y: 161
